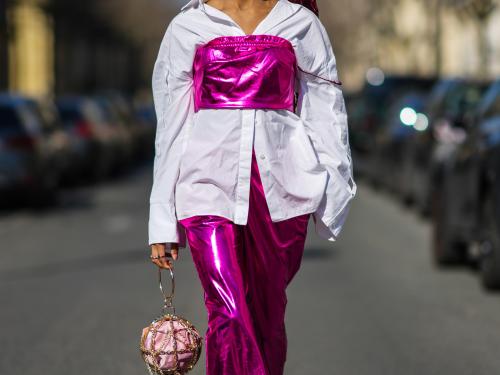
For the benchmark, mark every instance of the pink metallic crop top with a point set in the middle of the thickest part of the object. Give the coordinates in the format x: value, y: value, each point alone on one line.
x: 245, y: 71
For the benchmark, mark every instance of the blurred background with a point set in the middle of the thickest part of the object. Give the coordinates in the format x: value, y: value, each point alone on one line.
x: 411, y: 287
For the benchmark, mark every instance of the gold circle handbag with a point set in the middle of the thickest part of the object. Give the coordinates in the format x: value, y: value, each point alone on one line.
x: 170, y: 345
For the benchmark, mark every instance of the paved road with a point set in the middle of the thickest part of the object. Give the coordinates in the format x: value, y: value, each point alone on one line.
x: 76, y: 289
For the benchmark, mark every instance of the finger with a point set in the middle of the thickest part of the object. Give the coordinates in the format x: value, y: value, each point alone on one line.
x: 175, y: 254
x: 163, y: 256
x: 160, y: 262
x: 161, y: 250
x: 165, y: 263
x: 156, y: 262
x: 175, y: 250
x: 156, y: 252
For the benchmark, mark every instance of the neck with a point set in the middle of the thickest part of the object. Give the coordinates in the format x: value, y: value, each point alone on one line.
x: 243, y: 4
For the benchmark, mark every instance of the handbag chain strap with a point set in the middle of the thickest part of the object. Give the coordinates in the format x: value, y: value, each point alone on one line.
x: 167, y: 299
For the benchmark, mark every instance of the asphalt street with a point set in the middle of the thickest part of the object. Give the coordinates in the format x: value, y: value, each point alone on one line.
x: 76, y: 288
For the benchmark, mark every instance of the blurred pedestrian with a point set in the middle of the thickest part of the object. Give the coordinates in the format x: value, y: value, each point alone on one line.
x: 252, y: 140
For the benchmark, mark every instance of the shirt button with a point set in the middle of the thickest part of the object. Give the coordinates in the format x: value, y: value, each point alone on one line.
x: 262, y: 156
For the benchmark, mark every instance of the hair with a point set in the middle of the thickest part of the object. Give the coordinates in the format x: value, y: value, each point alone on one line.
x: 310, y: 4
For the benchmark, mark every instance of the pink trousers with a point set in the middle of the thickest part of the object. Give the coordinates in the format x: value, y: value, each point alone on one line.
x: 244, y: 271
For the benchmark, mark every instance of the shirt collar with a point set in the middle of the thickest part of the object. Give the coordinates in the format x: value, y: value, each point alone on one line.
x: 282, y: 10
x: 190, y: 3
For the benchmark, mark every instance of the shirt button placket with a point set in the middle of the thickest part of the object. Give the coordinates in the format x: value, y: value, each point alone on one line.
x: 245, y: 165
x: 275, y: 208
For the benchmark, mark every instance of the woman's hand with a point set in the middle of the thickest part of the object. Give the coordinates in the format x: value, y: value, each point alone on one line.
x: 159, y: 254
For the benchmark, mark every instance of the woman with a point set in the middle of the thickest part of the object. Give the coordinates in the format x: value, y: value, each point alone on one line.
x: 252, y: 140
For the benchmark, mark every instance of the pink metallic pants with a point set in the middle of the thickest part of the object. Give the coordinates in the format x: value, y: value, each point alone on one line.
x: 244, y: 271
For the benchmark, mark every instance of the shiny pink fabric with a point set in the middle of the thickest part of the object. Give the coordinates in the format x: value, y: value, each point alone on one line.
x: 244, y: 271
x: 245, y: 71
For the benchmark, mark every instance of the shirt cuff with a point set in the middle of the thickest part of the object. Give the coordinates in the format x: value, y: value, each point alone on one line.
x: 330, y: 229
x: 163, y: 230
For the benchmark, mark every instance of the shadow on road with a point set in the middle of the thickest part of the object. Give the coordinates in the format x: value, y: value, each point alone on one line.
x: 53, y: 269
x: 112, y: 260
x: 315, y: 253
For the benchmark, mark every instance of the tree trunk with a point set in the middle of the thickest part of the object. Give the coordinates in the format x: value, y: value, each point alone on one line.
x: 483, y: 49
x: 438, y: 53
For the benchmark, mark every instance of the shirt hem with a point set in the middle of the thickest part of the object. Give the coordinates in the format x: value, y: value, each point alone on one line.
x: 292, y: 214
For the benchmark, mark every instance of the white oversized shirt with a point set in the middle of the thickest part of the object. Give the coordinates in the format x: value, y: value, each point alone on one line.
x: 203, y: 159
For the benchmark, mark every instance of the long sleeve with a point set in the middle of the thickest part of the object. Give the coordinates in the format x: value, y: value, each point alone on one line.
x: 172, y: 94
x: 321, y: 107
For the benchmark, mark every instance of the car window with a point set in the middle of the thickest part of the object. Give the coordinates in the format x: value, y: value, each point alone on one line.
x: 31, y: 121
x: 437, y: 97
x: 463, y: 99
x: 493, y: 108
x: 10, y: 122
x: 70, y: 116
x: 95, y: 114
x: 48, y: 116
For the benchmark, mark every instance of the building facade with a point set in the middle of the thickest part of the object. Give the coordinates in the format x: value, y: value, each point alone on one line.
x: 422, y: 37
x: 52, y: 47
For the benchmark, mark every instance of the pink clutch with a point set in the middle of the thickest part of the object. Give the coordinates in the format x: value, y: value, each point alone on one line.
x: 170, y: 345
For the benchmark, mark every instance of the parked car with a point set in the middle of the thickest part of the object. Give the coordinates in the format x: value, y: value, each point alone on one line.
x: 33, y: 150
x: 466, y: 202
x: 121, y: 131
x: 404, y: 118
x: 14, y: 171
x: 447, y: 108
x: 63, y: 155
x: 140, y: 135
x: 146, y: 116
x: 368, y: 115
x: 91, y: 135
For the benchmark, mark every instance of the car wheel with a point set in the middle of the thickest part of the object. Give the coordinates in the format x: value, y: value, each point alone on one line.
x: 45, y: 194
x: 405, y: 188
x: 489, y: 261
x: 446, y: 249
